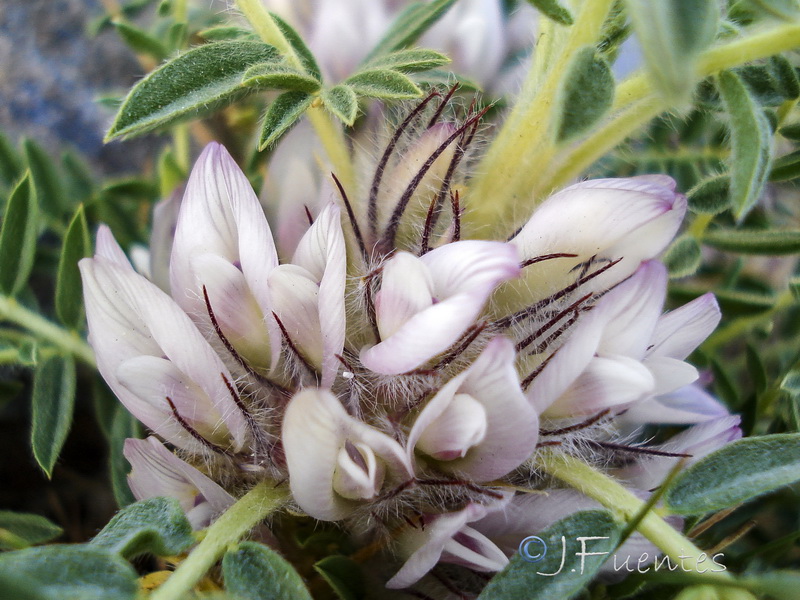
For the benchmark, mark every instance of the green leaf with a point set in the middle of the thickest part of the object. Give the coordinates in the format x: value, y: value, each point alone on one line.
x: 553, y: 9
x: 343, y: 575
x: 123, y: 426
x: 77, y: 245
x: 778, y: 585
x: 786, y: 167
x: 756, y: 370
x: 299, y: 46
x: 671, y: 34
x: 45, y: 179
x: 254, y: 572
x: 196, y: 82
x: 791, y: 383
x: 408, y: 61
x: 170, y: 173
x: 10, y: 163
x: 761, y: 242
x: 226, y: 33
x: 386, y: 84
x: 20, y: 530
x: 18, y: 237
x: 791, y: 132
x: 751, y: 141
x: 521, y: 579
x: 53, y: 404
x: 410, y: 25
x: 683, y: 257
x: 772, y: 83
x: 79, y: 180
x: 711, y: 196
x: 279, y: 76
x: 342, y: 101
x: 587, y: 93
x: 60, y: 572
x: 788, y: 10
x: 281, y: 115
x: 156, y: 526
x: 140, y: 41
x: 736, y: 473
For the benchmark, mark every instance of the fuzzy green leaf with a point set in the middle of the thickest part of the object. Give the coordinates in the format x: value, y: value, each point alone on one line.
x: 140, y: 41
x: 762, y: 242
x: 279, y: 76
x: 791, y: 132
x: 78, y: 176
x: 253, y: 571
x: 20, y: 530
x: 123, y: 426
x: 736, y: 473
x: 18, y: 237
x: 194, y: 83
x: 410, y: 25
x: 49, y: 188
x: 342, y: 101
x: 10, y: 163
x: 683, y: 257
x: 343, y: 575
x: 408, y: 61
x: 281, y: 116
x: 156, y: 526
x: 786, y: 167
x: 521, y: 579
x: 751, y: 139
x: 77, y: 245
x: 553, y: 9
x: 383, y: 83
x: 53, y: 405
x: 299, y: 46
x: 587, y: 94
x: 788, y: 10
x: 711, y: 196
x: 77, y: 572
x: 672, y: 33
x: 226, y: 33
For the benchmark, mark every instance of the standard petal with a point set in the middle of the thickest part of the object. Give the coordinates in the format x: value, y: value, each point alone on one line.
x: 406, y: 289
x: 158, y: 472
x: 682, y: 330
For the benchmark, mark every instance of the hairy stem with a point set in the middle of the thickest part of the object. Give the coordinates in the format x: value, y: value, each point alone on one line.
x: 619, y: 500
x: 14, y: 312
x: 249, y: 511
x: 329, y: 132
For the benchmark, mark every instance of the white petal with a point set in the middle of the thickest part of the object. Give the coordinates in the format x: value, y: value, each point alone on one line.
x: 464, y: 274
x: 680, y: 331
x: 322, y: 252
x: 158, y: 472
x: 359, y: 474
x: 295, y: 296
x: 670, y: 373
x: 472, y: 549
x: 406, y: 289
x: 685, y: 406
x: 108, y: 248
x: 607, y: 382
x: 315, y: 428
x: 460, y: 426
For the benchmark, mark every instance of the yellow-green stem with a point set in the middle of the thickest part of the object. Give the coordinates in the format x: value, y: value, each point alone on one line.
x: 13, y: 311
x: 506, y: 172
x: 329, y: 132
x: 234, y: 524
x: 626, y: 505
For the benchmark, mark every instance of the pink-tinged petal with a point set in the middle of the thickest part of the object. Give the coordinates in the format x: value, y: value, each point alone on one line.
x: 682, y: 330
x: 359, y: 474
x: 129, y: 317
x: 631, y: 311
x: 315, y: 428
x: 406, y: 289
x: 322, y: 252
x: 158, y: 472
x: 512, y: 424
x: 459, y: 427
x: 235, y: 309
x: 631, y: 218
x: 670, y: 373
x: 607, y: 382
x: 463, y: 274
x: 108, y: 248
x: 440, y: 537
x: 685, y: 406
x: 165, y: 220
x: 220, y: 215
x: 698, y: 441
x: 295, y: 297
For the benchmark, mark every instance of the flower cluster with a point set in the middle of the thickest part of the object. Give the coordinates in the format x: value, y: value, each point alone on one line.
x: 401, y: 378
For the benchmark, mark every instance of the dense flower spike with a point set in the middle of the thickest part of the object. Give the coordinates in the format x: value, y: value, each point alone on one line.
x: 395, y: 374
